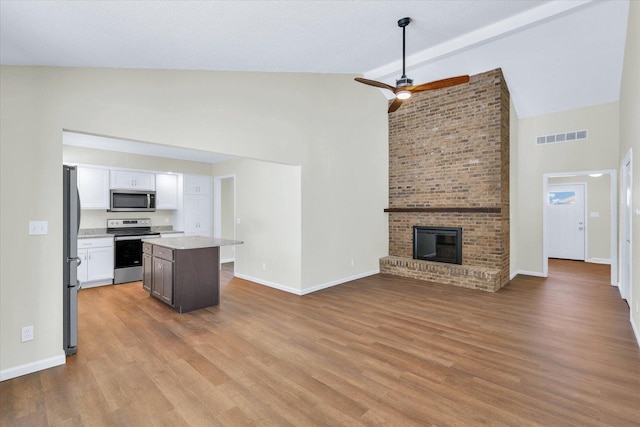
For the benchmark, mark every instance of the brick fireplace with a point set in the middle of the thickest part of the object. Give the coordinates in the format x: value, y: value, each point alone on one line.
x: 449, y: 167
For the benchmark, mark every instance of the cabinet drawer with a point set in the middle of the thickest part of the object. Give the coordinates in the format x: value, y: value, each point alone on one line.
x: 146, y: 248
x: 101, y: 242
x: 164, y: 253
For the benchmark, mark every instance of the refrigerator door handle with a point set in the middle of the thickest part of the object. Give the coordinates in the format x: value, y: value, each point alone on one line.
x: 76, y: 259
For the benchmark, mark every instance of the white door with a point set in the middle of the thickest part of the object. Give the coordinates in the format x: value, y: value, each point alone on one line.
x: 566, y: 221
x: 625, y: 277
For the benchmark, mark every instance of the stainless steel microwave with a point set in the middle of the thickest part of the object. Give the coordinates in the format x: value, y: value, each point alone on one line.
x: 132, y: 201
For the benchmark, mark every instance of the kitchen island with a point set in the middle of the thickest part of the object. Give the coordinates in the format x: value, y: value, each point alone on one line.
x: 183, y: 272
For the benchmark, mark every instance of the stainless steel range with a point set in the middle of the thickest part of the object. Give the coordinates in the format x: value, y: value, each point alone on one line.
x: 128, y: 234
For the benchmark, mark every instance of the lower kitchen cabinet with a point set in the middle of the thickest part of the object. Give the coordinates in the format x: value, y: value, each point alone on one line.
x: 185, y: 279
x: 157, y: 267
x: 162, y: 284
x: 96, y: 256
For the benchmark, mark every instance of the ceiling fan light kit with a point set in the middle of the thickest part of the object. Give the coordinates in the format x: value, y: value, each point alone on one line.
x: 404, y: 86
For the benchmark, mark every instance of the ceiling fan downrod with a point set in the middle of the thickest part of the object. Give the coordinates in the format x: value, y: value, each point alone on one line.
x: 404, y: 81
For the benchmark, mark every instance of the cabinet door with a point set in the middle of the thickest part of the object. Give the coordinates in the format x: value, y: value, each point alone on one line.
x: 167, y: 281
x: 93, y: 186
x: 132, y: 180
x: 166, y: 191
x: 157, y: 286
x: 197, y: 215
x: 147, y: 271
x: 203, y: 215
x: 197, y: 184
x: 82, y: 268
x: 100, y: 264
x: 122, y: 179
x: 144, y: 181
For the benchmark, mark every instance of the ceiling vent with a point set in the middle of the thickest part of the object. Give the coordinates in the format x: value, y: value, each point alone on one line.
x: 562, y: 137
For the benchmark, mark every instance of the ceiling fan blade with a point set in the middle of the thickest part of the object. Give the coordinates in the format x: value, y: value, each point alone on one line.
x: 439, y: 84
x: 375, y: 83
x: 395, y: 105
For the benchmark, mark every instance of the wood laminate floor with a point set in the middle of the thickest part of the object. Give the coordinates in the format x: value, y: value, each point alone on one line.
x: 376, y: 351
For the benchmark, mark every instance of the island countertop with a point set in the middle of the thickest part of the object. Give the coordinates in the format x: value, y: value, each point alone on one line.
x: 191, y: 242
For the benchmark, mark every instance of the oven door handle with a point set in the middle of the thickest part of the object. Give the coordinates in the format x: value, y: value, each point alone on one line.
x: 121, y: 238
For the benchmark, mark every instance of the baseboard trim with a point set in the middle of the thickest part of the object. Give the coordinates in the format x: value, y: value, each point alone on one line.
x: 224, y: 261
x: 599, y: 260
x: 338, y: 282
x: 301, y: 292
x: 635, y: 330
x: 29, y: 368
x: 528, y: 273
x: 269, y: 284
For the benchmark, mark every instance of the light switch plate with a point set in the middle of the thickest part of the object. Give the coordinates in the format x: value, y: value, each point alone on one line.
x: 594, y: 214
x: 38, y: 227
x: 637, y: 212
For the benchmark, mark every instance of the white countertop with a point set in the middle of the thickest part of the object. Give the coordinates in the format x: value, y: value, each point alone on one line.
x: 191, y: 242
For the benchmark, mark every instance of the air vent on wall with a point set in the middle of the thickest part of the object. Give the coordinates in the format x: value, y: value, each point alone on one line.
x: 562, y: 137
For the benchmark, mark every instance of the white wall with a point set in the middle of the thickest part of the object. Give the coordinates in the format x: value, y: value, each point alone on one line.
x: 598, y: 152
x: 630, y: 139
x: 513, y: 191
x: 330, y: 126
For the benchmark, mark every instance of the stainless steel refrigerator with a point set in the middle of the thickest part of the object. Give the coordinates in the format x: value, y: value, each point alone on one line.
x: 70, y: 260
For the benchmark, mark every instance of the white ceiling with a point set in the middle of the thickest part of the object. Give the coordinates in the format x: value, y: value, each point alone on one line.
x: 556, y: 55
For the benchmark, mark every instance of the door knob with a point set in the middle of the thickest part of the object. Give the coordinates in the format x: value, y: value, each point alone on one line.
x: 580, y: 228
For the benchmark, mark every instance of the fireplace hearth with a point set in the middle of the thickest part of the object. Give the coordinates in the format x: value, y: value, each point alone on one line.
x: 439, y: 244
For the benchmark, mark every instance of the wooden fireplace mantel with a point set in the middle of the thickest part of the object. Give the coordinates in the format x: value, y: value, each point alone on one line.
x: 446, y: 209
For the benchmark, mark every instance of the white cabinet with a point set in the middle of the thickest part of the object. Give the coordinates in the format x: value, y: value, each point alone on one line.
x: 93, y: 186
x: 194, y: 211
x: 197, y: 215
x: 96, y: 267
x: 166, y: 191
x: 197, y: 184
x: 133, y: 180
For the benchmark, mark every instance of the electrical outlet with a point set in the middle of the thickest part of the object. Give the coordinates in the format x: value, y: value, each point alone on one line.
x: 27, y: 333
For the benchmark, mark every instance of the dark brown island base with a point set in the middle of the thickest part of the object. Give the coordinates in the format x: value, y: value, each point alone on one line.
x: 183, y: 272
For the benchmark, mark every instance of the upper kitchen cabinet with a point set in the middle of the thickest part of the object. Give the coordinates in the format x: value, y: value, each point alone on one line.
x: 166, y: 191
x: 93, y: 186
x: 197, y: 184
x: 133, y: 180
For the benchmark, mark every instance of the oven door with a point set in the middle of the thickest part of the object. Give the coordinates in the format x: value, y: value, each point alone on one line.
x: 128, y: 252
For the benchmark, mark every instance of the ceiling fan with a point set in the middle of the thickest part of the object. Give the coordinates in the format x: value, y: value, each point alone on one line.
x: 404, y: 86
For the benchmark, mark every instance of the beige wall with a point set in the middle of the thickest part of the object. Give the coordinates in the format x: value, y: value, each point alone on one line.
x: 630, y: 140
x: 333, y: 129
x: 598, y: 195
x: 598, y: 152
x: 268, y: 205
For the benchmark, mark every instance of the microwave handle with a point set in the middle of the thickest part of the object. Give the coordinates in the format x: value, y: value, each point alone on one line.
x: 148, y: 200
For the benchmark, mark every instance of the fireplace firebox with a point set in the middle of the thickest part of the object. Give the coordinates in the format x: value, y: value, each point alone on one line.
x: 440, y: 244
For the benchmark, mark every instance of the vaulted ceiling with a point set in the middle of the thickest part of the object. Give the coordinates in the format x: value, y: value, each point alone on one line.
x: 556, y: 55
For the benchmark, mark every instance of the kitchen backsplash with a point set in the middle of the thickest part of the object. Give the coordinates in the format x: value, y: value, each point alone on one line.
x: 98, y: 218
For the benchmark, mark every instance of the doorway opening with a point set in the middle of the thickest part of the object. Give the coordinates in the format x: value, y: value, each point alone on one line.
x: 606, y: 206
x: 224, y: 214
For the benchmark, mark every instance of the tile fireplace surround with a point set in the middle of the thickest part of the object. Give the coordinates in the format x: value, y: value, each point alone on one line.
x: 449, y: 167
